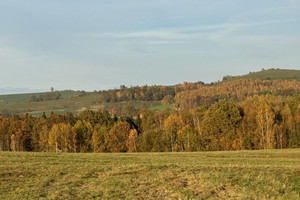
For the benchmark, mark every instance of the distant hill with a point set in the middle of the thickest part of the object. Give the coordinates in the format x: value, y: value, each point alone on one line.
x: 183, y: 96
x: 270, y: 74
x: 21, y: 98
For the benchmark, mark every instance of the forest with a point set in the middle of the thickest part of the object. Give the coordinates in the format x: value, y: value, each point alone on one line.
x: 242, y: 114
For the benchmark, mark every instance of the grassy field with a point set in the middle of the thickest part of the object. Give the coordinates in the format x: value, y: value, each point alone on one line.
x: 272, y: 74
x: 73, y: 105
x: 22, y: 98
x: 271, y: 174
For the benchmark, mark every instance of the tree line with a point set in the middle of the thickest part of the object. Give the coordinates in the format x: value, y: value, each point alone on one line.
x: 263, y: 121
x: 188, y: 96
x: 54, y: 95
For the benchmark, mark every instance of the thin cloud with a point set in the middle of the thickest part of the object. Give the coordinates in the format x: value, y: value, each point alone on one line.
x: 182, y: 33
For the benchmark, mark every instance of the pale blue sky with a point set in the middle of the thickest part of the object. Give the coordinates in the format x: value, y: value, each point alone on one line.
x: 101, y: 44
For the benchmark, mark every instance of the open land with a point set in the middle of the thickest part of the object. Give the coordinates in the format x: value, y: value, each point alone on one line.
x: 263, y: 174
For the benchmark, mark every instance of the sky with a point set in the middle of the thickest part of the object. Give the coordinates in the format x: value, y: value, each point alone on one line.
x: 100, y: 44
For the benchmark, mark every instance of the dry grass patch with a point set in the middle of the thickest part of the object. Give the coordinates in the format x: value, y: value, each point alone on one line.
x: 272, y: 174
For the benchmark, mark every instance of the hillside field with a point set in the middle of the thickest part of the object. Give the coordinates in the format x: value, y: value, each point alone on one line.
x: 74, y: 105
x: 272, y: 74
x: 17, y: 103
x: 265, y: 174
x: 22, y: 98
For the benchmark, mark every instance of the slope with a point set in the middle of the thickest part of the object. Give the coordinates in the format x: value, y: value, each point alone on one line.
x: 270, y: 74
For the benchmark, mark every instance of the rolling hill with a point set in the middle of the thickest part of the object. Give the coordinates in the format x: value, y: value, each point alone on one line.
x: 270, y: 74
x: 20, y: 104
x: 21, y: 98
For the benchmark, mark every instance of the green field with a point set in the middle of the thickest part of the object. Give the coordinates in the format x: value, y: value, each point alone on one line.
x: 272, y: 74
x: 22, y: 98
x: 74, y: 105
x: 269, y: 174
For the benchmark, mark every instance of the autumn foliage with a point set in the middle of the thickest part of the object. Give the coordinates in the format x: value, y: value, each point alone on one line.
x: 236, y: 115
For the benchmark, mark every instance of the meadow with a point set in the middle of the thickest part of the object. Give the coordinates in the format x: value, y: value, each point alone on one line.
x: 16, y: 104
x: 263, y: 174
x: 271, y: 74
x: 22, y: 98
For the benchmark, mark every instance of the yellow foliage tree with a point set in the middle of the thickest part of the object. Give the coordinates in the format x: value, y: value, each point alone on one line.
x: 265, y: 119
x: 173, y: 124
x: 131, y: 141
x: 118, y: 136
x: 62, y: 138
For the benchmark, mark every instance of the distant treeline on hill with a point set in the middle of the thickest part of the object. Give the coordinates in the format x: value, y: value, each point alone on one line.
x: 56, y: 95
x: 46, y: 97
x: 191, y: 95
x: 257, y: 122
x: 235, y: 90
x: 271, y: 81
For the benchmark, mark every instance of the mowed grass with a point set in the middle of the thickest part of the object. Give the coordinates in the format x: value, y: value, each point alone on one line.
x: 271, y: 174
